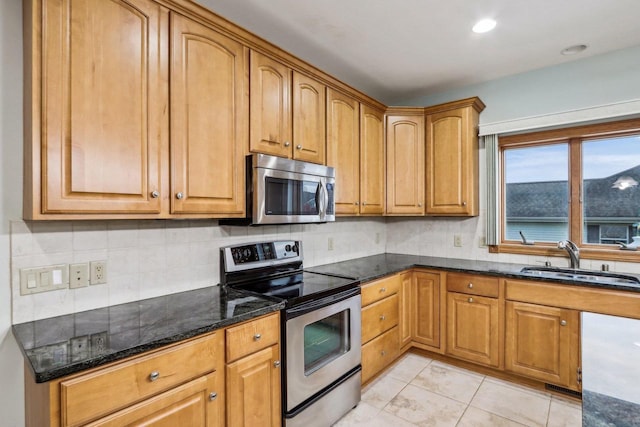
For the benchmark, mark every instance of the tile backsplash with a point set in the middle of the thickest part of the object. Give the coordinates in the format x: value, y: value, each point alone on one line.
x: 150, y: 258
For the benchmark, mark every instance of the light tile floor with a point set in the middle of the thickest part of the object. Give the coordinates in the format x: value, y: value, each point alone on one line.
x: 418, y: 391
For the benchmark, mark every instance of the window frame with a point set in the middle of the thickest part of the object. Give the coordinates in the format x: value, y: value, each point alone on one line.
x: 573, y: 137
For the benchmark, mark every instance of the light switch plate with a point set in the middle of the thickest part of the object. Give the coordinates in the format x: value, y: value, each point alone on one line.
x: 43, y: 279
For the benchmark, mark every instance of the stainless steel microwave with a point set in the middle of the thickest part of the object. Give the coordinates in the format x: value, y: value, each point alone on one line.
x: 285, y: 191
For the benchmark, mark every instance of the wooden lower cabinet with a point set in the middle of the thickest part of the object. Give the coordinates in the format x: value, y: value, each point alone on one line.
x: 381, y: 313
x: 543, y: 343
x: 192, y: 404
x: 473, y: 328
x: 405, y: 322
x: 426, y: 308
x: 253, y: 390
x: 378, y: 353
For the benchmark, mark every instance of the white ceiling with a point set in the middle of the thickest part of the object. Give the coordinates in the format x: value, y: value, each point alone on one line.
x: 399, y: 49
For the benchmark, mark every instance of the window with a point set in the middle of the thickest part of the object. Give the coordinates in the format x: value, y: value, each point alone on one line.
x: 580, y: 183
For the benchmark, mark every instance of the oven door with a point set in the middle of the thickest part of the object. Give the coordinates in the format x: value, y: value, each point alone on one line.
x: 323, y: 340
x: 284, y: 197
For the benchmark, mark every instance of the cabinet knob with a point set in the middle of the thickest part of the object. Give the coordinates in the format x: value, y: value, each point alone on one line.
x: 419, y: 205
x: 464, y: 203
x: 382, y: 317
x: 213, y: 395
x: 382, y: 353
x: 287, y: 143
x: 470, y: 300
x: 276, y: 363
x: 383, y: 290
x: 153, y: 376
x: 470, y: 285
x: 563, y: 323
x: 179, y: 196
x: 155, y: 194
x: 257, y: 337
x: 364, y: 203
x: 355, y: 203
x: 299, y: 147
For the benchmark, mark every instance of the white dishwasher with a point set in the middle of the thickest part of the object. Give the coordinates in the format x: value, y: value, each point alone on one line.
x: 610, y: 371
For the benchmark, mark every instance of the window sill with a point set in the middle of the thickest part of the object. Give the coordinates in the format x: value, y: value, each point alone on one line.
x: 550, y: 250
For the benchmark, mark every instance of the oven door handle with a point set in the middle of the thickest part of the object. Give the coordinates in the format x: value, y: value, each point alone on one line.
x: 313, y: 305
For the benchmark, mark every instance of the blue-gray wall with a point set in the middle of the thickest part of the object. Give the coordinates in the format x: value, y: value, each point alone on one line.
x: 598, y: 80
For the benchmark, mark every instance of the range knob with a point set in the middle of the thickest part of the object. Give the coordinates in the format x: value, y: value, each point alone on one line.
x: 287, y: 248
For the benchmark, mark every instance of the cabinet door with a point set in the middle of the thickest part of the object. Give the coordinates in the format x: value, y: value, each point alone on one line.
x: 542, y: 343
x: 253, y: 390
x: 209, y: 120
x: 452, y: 163
x: 198, y: 403
x: 405, y: 165
x: 308, y: 119
x: 103, y: 99
x: 426, y: 300
x: 270, y: 99
x: 372, y: 161
x: 343, y: 150
x: 406, y: 309
x: 472, y: 328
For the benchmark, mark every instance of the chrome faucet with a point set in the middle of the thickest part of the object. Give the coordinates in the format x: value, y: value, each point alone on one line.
x: 572, y: 249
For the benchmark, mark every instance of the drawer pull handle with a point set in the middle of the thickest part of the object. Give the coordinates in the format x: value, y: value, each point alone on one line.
x: 563, y: 323
x: 383, y: 289
x: 382, y: 317
x: 470, y: 299
x: 153, y: 376
x: 257, y: 337
x: 276, y: 363
x: 470, y: 285
x: 212, y: 396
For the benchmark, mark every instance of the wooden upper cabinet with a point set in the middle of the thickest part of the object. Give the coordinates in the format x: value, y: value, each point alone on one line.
x: 343, y: 150
x: 452, y: 158
x: 270, y: 99
x: 96, y: 112
x: 405, y: 164
x: 308, y: 119
x: 372, y: 161
x: 209, y: 120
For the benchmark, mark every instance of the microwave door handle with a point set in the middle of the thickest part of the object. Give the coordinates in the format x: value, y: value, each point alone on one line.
x: 320, y: 200
x: 325, y: 191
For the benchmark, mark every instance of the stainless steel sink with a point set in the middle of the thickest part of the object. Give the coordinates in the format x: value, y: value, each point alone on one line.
x: 582, y: 275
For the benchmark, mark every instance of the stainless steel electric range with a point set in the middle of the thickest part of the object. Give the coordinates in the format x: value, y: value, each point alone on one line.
x: 321, y: 331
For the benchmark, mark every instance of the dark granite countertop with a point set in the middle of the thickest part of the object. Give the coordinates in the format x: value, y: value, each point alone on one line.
x: 63, y: 345
x: 377, y: 266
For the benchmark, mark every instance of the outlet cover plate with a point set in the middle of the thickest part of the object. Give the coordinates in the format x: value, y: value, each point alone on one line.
x: 98, y: 272
x: 78, y: 275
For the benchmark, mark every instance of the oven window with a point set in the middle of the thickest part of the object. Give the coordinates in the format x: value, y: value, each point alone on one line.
x: 326, y: 340
x: 290, y: 197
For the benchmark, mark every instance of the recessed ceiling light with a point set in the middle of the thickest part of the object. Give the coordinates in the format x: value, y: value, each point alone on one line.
x: 484, y: 26
x: 572, y: 50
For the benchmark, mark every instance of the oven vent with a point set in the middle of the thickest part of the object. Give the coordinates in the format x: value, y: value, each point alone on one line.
x: 563, y: 390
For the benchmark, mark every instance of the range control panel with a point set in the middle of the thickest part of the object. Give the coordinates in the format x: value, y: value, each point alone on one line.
x: 255, y: 255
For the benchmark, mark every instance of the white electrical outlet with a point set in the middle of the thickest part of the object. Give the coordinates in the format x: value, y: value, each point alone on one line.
x: 98, y: 272
x: 78, y: 275
x: 377, y: 238
x: 330, y: 243
x: 457, y: 240
x: 482, y: 242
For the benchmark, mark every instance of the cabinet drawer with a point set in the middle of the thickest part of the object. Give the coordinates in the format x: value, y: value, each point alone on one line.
x: 379, y: 352
x: 101, y: 392
x: 379, y: 317
x: 252, y: 336
x: 472, y: 284
x: 380, y: 289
